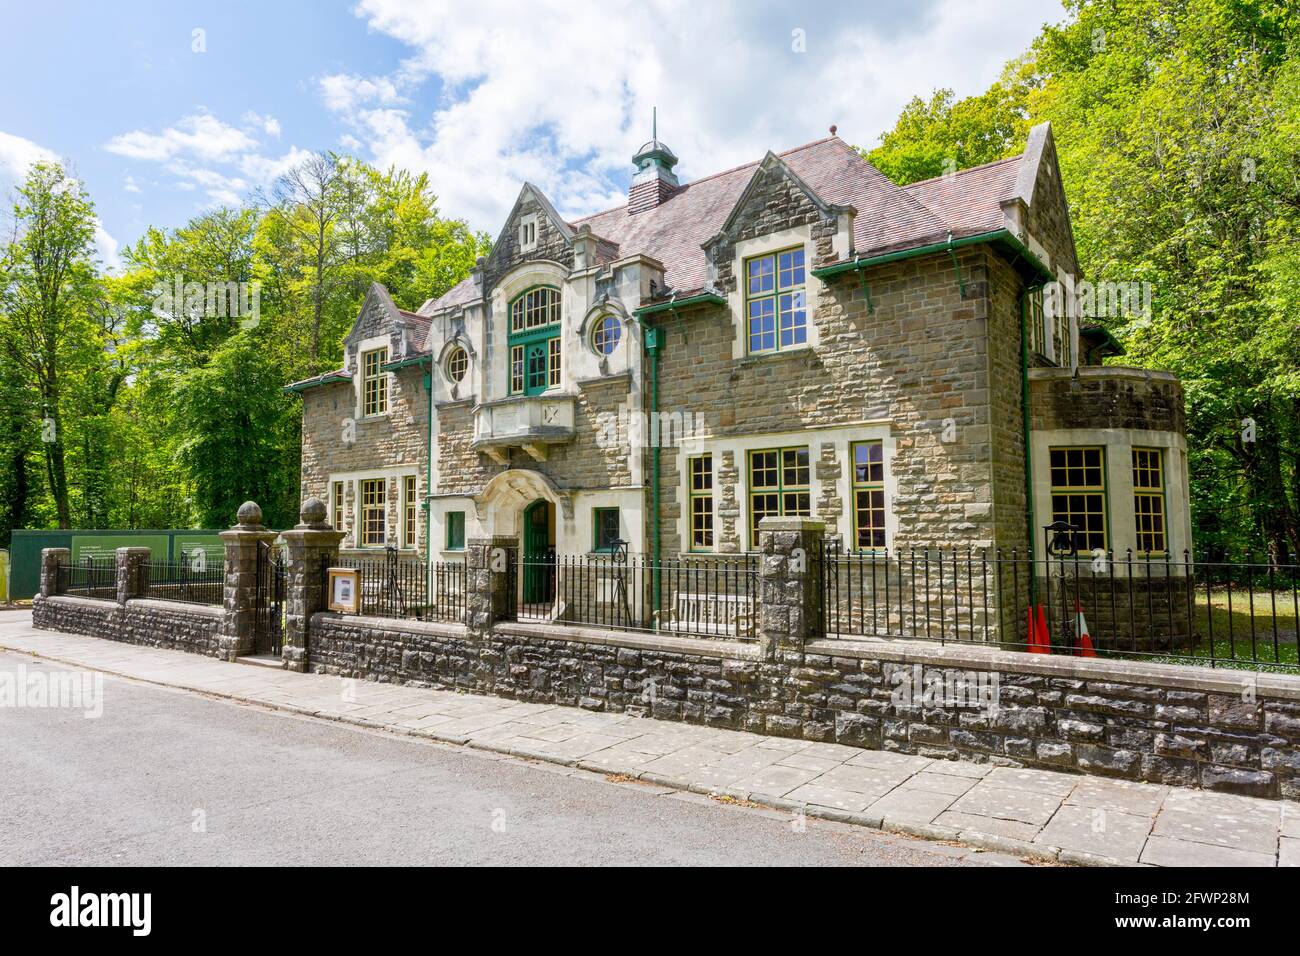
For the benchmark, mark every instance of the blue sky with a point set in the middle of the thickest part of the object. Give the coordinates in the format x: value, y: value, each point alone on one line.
x: 161, y: 122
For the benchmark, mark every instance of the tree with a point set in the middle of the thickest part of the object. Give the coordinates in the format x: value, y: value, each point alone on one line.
x: 48, y: 281
x: 946, y: 134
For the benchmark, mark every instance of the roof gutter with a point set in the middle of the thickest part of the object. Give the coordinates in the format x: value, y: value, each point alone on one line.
x: 1000, y: 236
x: 298, y: 387
x: 405, y: 363
x: 673, y: 304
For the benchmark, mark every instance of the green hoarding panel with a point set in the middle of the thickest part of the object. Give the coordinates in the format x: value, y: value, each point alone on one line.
x: 213, y: 548
x: 163, y: 543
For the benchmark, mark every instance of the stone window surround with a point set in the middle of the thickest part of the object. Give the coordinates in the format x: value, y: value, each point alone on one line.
x: 512, y: 285
x: 359, y: 383
x: 840, y: 436
x: 772, y: 242
x: 392, y: 531
x: 1119, y: 444
x: 527, y: 225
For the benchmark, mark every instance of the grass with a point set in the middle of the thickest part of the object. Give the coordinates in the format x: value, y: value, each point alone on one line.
x: 1272, y: 621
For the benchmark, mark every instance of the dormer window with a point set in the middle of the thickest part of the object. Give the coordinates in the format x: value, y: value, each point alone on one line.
x: 527, y: 233
x: 535, y: 354
x: 775, y: 309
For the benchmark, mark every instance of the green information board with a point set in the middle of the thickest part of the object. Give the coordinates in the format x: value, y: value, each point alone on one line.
x: 105, y: 545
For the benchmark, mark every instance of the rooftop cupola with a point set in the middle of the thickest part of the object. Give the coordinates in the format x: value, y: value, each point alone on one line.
x: 654, y: 180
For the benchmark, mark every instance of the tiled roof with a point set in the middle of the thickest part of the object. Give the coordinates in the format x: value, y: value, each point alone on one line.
x: 462, y: 293
x: 969, y: 200
x: 419, y: 330
x: 889, y: 218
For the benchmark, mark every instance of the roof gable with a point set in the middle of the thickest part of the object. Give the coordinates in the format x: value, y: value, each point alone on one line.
x: 771, y: 166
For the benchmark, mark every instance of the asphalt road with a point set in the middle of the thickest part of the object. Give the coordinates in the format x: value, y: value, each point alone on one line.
x: 172, y: 778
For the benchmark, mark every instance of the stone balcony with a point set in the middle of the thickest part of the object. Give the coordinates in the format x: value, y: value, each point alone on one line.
x: 532, y: 422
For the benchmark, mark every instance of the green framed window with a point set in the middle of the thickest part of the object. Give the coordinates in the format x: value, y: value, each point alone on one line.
x: 776, y: 314
x: 868, y: 495
x: 605, y: 523
x: 1149, y: 501
x: 778, y: 486
x: 455, y: 531
x: 700, y: 492
x: 372, y: 512
x: 409, y: 511
x: 535, y: 353
x: 338, y: 506
x: 457, y: 364
x: 374, y: 382
x: 1078, y: 478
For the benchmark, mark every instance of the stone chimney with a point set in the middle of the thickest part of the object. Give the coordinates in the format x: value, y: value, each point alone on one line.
x: 655, y: 180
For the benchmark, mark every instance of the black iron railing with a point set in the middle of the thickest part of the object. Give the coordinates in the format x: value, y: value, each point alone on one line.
x: 88, y: 577
x: 708, y: 596
x: 398, y: 587
x: 192, y: 578
x: 1176, y: 608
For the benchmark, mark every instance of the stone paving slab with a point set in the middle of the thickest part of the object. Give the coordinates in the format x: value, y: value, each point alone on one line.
x: 1038, y: 814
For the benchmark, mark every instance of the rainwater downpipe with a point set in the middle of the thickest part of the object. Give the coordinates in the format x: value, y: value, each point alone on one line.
x: 653, y: 339
x: 1030, y: 534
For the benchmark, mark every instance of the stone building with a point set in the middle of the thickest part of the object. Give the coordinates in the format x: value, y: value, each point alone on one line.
x: 796, y: 336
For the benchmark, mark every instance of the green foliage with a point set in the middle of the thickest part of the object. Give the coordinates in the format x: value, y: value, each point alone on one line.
x: 1177, y: 124
x: 946, y: 134
x: 168, y: 408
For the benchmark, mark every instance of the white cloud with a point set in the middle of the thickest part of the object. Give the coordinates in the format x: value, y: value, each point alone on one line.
x: 343, y: 91
x: 18, y: 154
x: 16, y: 157
x: 563, y: 98
x: 107, y: 248
x: 200, y: 135
x: 267, y: 124
x: 267, y: 169
x: 129, y: 184
x: 204, y: 153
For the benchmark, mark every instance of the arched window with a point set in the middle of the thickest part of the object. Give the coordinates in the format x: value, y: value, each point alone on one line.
x: 457, y: 364
x: 535, y: 309
x: 535, y: 354
x: 605, y: 335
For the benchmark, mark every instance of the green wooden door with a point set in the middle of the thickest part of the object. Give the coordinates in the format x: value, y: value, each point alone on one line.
x: 535, y: 377
x: 537, y: 544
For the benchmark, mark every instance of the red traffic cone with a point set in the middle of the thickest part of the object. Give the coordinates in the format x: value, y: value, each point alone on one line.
x: 1044, y: 635
x: 1085, y: 648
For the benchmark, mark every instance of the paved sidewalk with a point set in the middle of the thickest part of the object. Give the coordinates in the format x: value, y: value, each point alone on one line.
x: 1032, y: 813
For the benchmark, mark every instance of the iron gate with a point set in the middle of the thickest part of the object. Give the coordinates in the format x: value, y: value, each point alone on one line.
x: 268, y: 609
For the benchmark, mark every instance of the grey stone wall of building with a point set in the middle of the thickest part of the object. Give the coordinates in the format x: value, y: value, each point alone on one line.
x: 193, y: 628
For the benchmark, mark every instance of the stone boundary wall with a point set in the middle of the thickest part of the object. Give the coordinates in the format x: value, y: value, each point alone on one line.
x: 1233, y: 731
x: 194, y: 628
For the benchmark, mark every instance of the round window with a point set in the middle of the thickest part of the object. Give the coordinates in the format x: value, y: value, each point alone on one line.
x: 605, y: 335
x: 457, y: 364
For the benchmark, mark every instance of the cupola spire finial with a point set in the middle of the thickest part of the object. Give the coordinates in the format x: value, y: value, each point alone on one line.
x: 655, y: 180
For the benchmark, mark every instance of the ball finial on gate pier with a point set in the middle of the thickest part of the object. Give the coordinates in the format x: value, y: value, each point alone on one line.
x: 250, y: 515
x: 312, y: 513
